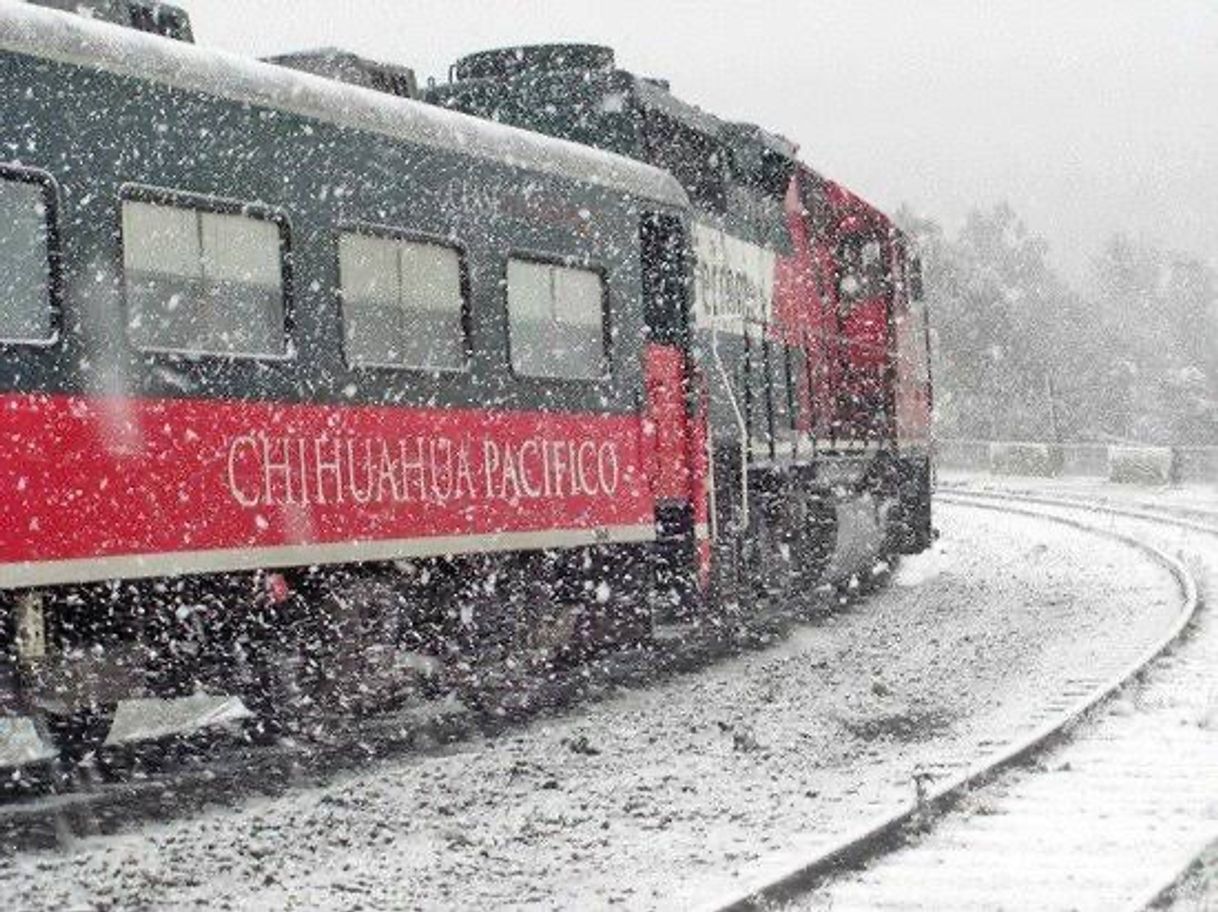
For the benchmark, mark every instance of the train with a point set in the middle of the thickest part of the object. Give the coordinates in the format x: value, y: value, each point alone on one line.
x: 316, y: 384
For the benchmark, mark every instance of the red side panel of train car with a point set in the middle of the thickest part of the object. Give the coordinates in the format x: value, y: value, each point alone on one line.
x: 132, y: 487
x: 665, y: 371
x: 863, y: 296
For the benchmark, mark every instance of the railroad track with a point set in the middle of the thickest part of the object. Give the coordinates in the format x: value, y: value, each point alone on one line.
x: 177, y: 794
x: 1196, y: 518
x: 923, y: 856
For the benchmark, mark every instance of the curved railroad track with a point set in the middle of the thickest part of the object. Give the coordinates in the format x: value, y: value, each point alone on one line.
x: 174, y: 797
x: 808, y: 882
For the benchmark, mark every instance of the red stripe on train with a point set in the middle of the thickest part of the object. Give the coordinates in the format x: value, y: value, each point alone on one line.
x: 84, y: 477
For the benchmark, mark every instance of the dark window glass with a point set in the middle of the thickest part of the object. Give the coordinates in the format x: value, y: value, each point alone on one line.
x: 665, y: 287
x: 143, y: 18
x: 202, y: 282
x: 556, y: 320
x: 862, y: 274
x: 402, y: 303
x: 25, y: 263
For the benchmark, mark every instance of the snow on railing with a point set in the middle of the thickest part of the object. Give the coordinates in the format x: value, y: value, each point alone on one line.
x: 1128, y: 463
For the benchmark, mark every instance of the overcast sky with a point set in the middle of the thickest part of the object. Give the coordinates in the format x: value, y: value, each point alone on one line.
x: 1089, y: 116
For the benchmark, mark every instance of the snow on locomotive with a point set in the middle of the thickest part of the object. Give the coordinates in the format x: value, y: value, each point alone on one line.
x: 305, y: 381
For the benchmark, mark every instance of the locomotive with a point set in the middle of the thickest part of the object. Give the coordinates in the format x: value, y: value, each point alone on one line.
x: 312, y: 387
x: 805, y: 331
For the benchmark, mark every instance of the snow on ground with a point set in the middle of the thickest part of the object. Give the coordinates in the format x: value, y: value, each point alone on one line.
x: 919, y: 569
x: 662, y: 797
x: 1107, y: 816
x: 135, y: 720
x: 145, y: 719
x: 19, y: 742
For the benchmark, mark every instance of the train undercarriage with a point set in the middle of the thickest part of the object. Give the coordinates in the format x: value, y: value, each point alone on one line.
x: 302, y: 645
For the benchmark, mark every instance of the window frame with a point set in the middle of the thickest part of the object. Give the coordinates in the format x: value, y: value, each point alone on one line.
x: 408, y: 235
x: 872, y: 284
x: 23, y: 174
x: 219, y: 205
x: 601, y: 271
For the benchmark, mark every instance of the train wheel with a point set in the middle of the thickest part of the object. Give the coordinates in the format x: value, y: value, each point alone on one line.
x: 79, y: 736
x: 814, y: 525
x: 276, y: 695
x: 333, y: 656
x: 357, y: 660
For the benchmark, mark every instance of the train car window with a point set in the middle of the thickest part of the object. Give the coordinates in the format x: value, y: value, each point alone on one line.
x: 143, y: 18
x: 916, y: 291
x: 203, y: 283
x: 861, y: 267
x: 403, y: 304
x: 159, y: 19
x: 556, y: 317
x: 26, y: 226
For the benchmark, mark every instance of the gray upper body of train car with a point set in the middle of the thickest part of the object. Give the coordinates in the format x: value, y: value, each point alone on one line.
x: 97, y: 115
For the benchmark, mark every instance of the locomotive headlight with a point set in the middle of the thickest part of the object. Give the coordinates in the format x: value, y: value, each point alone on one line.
x: 31, y: 626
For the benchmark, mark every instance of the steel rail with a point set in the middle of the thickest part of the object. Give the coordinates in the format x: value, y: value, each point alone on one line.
x: 1175, y: 515
x: 880, y: 835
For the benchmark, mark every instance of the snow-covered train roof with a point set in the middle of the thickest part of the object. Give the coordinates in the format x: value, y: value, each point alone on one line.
x: 68, y: 38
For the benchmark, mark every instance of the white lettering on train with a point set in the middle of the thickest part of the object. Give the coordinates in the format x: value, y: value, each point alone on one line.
x: 733, y: 280
x: 266, y: 470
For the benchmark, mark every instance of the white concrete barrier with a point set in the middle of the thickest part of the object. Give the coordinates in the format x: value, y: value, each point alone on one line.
x: 1141, y: 465
x: 1089, y: 460
x: 1120, y: 463
x: 968, y: 455
x: 1040, y: 459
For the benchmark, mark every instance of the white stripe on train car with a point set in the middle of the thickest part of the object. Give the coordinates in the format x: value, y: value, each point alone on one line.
x: 230, y: 560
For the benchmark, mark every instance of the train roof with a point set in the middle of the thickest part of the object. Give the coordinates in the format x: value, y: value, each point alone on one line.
x: 578, y: 91
x: 69, y: 38
x: 853, y: 212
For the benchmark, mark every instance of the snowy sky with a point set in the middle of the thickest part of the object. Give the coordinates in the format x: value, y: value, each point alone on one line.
x: 1088, y: 116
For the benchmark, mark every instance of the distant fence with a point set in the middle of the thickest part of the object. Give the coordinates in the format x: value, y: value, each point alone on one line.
x: 1129, y: 464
